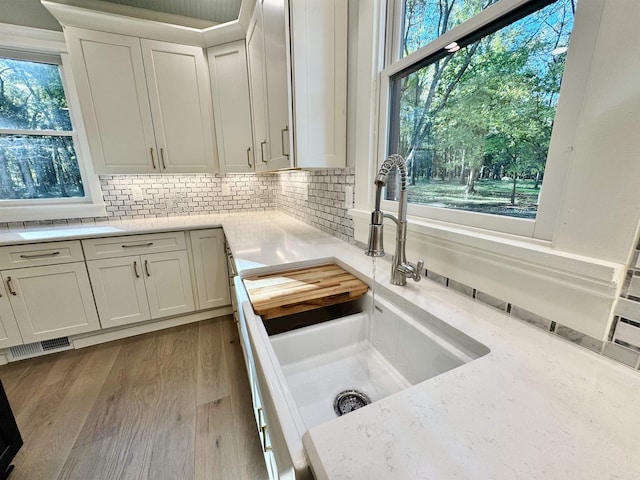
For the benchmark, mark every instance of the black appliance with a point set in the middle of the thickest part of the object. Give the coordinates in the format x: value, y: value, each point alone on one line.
x: 10, y: 439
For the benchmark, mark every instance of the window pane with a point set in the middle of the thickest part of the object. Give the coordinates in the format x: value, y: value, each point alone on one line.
x: 34, y: 166
x: 32, y: 97
x: 426, y: 20
x: 475, y: 125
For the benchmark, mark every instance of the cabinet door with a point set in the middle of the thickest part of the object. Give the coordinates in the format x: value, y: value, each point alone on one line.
x: 231, y: 107
x: 119, y: 291
x: 9, y: 332
x: 168, y: 281
x: 257, y: 82
x: 209, y: 259
x: 111, y: 84
x: 179, y: 92
x: 52, y: 301
x: 278, y: 80
x: 319, y: 33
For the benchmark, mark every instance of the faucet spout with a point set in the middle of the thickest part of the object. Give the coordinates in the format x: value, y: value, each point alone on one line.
x: 400, y: 268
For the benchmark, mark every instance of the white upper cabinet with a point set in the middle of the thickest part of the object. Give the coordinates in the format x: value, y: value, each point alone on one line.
x: 258, y: 88
x: 115, y: 106
x: 277, y: 77
x: 178, y: 83
x: 270, y: 82
x: 319, y: 39
x: 146, y: 104
x: 297, y: 53
x: 231, y: 107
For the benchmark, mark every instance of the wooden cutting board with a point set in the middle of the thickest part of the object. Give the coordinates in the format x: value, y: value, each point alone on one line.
x: 283, y: 293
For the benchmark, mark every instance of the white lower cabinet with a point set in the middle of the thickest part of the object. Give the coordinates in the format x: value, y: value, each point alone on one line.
x: 9, y: 331
x: 51, y: 301
x: 210, y: 268
x: 141, y: 287
x: 168, y: 281
x: 119, y: 290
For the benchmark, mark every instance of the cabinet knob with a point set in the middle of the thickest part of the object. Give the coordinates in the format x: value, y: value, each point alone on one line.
x: 248, y: 160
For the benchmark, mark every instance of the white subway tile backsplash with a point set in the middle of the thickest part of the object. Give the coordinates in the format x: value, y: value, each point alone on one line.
x: 317, y: 198
x: 620, y: 354
x: 628, y: 309
x: 579, y: 338
x: 627, y: 333
x: 491, y: 300
x: 634, y: 287
x: 530, y: 317
x: 136, y: 196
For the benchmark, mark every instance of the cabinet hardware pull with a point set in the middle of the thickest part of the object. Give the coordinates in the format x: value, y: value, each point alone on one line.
x: 10, y: 287
x: 148, y: 244
x: 153, y: 162
x: 232, y: 266
x: 248, y: 160
x: 162, y: 158
x: 146, y: 268
x: 262, y: 144
x: 40, y: 255
x: 282, y: 131
x: 135, y: 269
x: 264, y: 439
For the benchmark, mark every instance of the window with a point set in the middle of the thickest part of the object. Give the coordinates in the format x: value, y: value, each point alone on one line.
x: 472, y: 100
x: 37, y: 153
x: 45, y: 169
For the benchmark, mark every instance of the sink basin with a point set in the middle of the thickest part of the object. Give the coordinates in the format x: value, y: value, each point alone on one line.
x: 308, y: 374
x: 377, y: 352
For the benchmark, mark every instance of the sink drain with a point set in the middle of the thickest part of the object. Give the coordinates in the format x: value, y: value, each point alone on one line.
x: 349, y: 400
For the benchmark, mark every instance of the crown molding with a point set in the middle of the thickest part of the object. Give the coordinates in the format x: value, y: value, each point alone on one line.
x: 116, y: 21
x: 17, y: 37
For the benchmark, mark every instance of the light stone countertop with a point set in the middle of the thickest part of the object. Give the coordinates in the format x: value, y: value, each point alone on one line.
x: 535, y: 407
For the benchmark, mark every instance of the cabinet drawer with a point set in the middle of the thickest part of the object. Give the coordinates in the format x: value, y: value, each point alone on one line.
x: 96, y: 248
x: 37, y: 254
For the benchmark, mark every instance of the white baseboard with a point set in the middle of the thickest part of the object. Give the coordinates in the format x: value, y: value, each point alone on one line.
x: 118, y: 333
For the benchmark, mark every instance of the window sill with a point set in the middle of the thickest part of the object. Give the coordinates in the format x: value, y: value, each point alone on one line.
x: 51, y: 212
x: 574, y: 290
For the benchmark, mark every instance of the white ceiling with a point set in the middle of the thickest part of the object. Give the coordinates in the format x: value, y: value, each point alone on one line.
x: 218, y: 11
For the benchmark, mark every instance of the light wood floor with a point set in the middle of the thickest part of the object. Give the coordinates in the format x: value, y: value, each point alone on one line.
x: 173, y: 404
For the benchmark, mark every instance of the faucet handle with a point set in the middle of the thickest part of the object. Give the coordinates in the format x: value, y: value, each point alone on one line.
x: 419, y: 266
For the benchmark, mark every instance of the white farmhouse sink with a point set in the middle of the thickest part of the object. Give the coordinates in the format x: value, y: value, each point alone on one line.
x: 376, y: 355
x: 377, y: 352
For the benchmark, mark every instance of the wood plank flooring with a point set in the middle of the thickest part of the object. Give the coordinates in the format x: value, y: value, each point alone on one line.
x: 173, y: 404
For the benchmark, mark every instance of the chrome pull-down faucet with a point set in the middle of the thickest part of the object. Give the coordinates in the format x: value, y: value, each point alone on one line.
x: 400, y: 268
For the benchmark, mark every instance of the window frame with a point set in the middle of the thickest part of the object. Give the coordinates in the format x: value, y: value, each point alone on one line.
x: 32, y: 44
x: 542, y: 226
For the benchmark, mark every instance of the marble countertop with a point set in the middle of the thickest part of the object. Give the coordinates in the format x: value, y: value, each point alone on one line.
x: 535, y: 407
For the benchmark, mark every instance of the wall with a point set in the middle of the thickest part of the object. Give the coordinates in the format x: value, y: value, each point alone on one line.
x: 28, y: 13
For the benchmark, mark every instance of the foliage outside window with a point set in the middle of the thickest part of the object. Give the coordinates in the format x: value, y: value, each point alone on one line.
x: 474, y: 120
x: 37, y: 154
